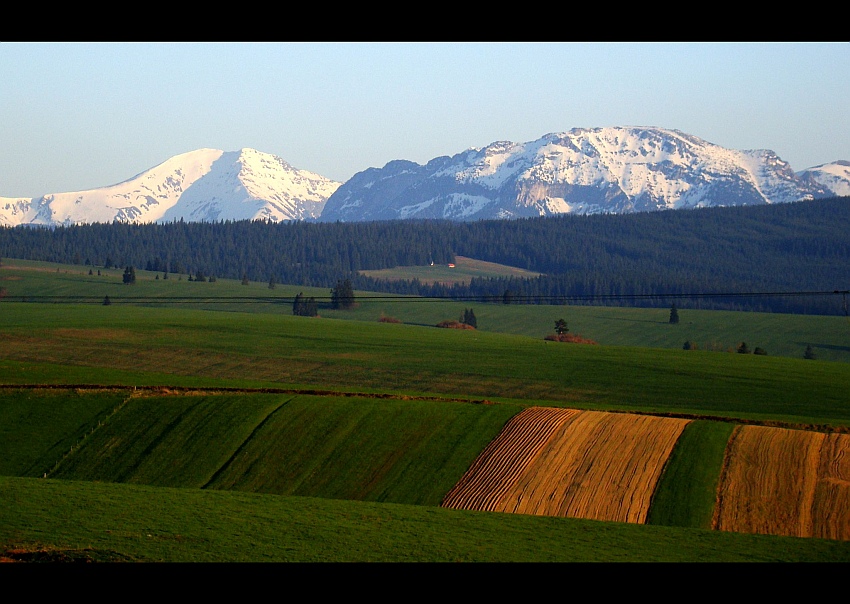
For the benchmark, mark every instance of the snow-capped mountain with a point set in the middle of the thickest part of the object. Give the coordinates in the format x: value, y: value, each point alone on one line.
x: 583, y: 171
x: 202, y: 185
x: 834, y: 176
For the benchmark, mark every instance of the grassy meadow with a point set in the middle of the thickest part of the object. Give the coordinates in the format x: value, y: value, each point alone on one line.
x: 275, y: 437
x: 462, y: 271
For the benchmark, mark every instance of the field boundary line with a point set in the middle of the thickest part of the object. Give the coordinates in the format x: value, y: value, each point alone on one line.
x: 248, y: 439
x: 162, y: 390
x: 175, y: 390
x: 83, y: 439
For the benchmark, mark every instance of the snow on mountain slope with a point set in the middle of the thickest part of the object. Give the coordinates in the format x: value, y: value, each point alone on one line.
x: 202, y: 185
x: 834, y: 176
x: 584, y: 171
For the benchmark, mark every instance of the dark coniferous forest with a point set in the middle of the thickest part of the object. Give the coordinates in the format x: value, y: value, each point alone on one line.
x: 689, y: 256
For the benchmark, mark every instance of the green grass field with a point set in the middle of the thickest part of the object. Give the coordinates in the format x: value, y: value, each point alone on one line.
x: 687, y: 491
x: 716, y: 331
x: 355, y: 429
x: 462, y: 271
x: 140, y: 523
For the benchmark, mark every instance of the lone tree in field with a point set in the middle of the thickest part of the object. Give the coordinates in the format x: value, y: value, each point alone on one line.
x: 810, y: 353
x: 674, y: 314
x: 561, y: 327
x: 129, y: 276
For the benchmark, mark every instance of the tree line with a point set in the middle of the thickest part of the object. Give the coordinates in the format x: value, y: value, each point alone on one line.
x: 598, y: 259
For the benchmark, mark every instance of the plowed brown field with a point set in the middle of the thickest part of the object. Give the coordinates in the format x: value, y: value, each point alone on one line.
x: 785, y: 482
x: 562, y: 462
x: 505, y: 459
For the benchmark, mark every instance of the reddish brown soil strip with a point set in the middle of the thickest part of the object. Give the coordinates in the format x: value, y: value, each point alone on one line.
x: 777, y: 481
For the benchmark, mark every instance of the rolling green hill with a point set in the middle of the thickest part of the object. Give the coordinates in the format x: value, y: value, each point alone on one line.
x: 280, y: 434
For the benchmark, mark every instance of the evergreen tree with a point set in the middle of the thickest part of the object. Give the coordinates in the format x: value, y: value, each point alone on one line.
x: 743, y: 348
x: 342, y: 296
x: 311, y: 308
x: 244, y: 278
x: 271, y: 282
x: 810, y: 353
x: 298, y: 305
x: 129, y: 276
x: 674, y: 314
x: 468, y: 318
x: 106, y: 301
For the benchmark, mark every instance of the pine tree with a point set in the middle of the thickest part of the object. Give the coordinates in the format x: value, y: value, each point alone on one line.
x: 311, y: 308
x: 810, y: 353
x: 129, y: 276
x: 674, y: 314
x: 342, y: 296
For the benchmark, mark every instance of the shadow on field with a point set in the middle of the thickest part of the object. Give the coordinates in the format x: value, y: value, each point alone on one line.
x: 802, y: 345
x: 605, y: 318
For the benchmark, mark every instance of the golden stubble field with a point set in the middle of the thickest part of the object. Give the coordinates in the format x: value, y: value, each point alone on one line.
x: 606, y: 466
x: 785, y: 482
x: 563, y: 462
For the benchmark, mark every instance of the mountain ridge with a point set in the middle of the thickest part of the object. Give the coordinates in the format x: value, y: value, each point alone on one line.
x: 582, y: 171
x: 199, y: 186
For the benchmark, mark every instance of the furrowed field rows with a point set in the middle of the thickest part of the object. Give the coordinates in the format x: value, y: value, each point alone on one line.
x: 595, y: 465
x: 606, y: 466
x: 785, y: 482
x: 501, y: 464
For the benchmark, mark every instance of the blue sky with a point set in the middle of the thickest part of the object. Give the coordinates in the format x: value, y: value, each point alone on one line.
x: 76, y: 116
